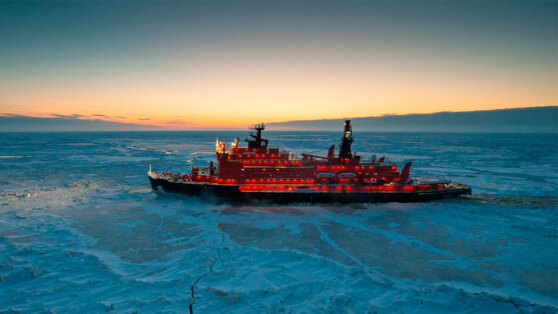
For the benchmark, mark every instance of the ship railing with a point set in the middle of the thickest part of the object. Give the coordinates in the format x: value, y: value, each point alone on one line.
x: 432, y: 180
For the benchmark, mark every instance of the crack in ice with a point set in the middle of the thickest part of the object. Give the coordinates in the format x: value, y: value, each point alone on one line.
x: 194, y: 286
x: 375, y: 274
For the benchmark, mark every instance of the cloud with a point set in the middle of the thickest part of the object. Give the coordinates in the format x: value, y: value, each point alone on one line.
x: 523, y: 120
x: 63, y: 116
x: 56, y: 123
x: 144, y: 119
x: 99, y: 115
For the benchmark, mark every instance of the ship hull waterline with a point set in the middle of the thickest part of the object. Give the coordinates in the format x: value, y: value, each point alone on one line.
x: 231, y: 193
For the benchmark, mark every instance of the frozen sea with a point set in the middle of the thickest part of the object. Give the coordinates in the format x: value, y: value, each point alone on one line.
x: 81, y: 230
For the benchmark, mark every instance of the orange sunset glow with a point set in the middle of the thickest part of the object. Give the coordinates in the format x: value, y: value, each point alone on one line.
x: 259, y: 65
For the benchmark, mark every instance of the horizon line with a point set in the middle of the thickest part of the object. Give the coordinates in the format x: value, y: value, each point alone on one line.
x: 78, y: 117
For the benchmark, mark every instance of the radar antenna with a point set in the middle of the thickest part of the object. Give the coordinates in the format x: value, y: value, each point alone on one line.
x: 257, y: 141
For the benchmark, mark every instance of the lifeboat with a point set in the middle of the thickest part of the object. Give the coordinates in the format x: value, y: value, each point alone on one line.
x: 258, y: 172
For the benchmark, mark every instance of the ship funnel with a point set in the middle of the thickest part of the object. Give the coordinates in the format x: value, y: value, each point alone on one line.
x: 346, y: 141
x: 405, y: 173
x: 331, y: 153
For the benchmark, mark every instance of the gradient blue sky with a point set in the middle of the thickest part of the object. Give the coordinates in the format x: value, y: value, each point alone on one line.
x: 196, y: 64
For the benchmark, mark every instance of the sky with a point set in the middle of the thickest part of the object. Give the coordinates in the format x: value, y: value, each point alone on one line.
x: 197, y: 64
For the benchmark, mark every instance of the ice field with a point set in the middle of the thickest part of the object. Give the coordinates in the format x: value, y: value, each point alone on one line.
x: 82, y: 231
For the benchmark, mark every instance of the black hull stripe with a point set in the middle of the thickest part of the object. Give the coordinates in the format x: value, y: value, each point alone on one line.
x: 232, y: 193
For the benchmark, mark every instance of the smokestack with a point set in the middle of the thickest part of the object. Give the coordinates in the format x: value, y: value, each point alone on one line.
x: 346, y: 141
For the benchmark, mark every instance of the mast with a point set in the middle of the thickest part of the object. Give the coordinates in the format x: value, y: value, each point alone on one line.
x: 257, y: 140
x: 346, y: 141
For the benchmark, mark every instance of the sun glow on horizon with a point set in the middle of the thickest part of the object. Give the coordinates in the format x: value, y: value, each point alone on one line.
x: 196, y: 67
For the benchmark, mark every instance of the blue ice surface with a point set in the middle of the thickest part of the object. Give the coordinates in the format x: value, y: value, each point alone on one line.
x: 81, y: 230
